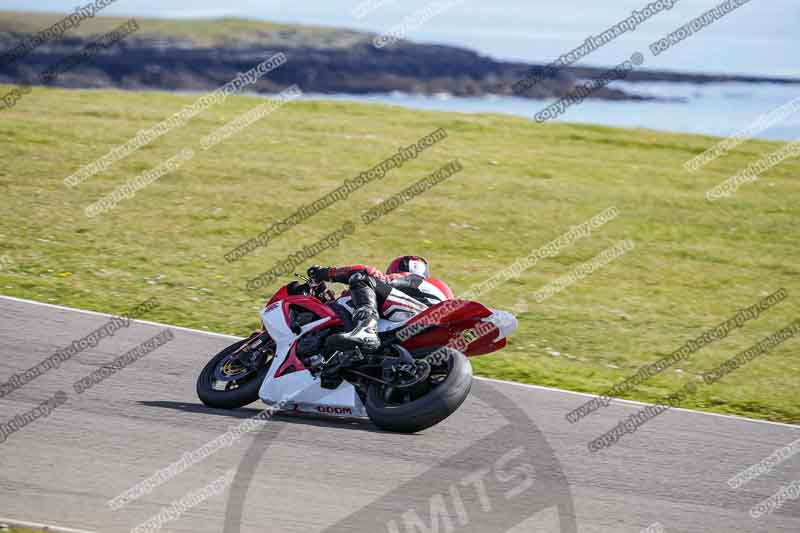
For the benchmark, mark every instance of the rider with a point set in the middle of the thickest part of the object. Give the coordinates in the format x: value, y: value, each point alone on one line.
x: 405, y: 290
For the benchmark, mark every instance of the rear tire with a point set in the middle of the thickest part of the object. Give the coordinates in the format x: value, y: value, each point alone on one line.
x: 428, y: 410
x: 245, y: 394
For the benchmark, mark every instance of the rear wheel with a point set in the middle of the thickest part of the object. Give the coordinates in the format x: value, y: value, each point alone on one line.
x: 424, y: 395
x: 226, y: 383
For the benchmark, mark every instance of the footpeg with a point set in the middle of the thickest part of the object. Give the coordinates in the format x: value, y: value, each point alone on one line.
x: 315, y: 363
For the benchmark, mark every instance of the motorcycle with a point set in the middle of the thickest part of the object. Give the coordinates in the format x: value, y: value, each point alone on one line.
x: 418, y: 376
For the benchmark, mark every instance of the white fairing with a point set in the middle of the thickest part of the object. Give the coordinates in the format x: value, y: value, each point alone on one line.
x: 505, y: 322
x: 300, y: 391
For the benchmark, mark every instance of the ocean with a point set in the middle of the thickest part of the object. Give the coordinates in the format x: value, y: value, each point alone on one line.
x: 758, y: 38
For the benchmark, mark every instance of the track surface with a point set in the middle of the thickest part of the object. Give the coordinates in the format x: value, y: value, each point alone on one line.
x: 322, y: 475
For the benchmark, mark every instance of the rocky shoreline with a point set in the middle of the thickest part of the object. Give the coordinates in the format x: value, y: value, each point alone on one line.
x: 338, y: 61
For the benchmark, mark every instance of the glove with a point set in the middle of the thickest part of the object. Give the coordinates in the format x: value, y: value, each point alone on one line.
x: 318, y: 274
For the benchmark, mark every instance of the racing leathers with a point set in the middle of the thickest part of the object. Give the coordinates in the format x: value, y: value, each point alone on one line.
x: 396, y: 297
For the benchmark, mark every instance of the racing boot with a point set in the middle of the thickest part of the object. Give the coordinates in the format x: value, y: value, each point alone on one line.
x: 365, y: 333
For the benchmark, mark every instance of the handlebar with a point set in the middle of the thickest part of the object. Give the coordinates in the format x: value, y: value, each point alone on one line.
x: 318, y: 290
x: 322, y: 293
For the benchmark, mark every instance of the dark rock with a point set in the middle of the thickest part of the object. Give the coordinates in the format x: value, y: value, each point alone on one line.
x: 333, y: 62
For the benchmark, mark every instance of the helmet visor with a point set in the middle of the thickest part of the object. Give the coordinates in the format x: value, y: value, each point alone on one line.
x: 415, y: 266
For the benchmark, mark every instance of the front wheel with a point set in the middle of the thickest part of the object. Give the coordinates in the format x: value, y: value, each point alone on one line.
x: 226, y: 383
x: 417, y: 405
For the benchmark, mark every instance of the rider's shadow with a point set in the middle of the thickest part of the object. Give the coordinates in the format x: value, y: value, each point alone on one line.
x: 279, y: 417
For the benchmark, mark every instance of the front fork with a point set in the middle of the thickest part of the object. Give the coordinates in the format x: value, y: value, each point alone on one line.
x: 255, y: 351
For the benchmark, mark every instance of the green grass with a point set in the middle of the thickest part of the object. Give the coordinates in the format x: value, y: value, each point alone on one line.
x: 522, y: 185
x: 200, y: 32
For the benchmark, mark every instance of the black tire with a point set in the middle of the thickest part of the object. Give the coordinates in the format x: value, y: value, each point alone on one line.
x: 428, y: 410
x: 230, y: 399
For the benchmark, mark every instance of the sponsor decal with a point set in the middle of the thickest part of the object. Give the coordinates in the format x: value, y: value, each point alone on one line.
x: 331, y: 410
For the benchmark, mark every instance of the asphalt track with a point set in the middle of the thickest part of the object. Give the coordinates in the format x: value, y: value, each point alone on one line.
x: 506, y: 461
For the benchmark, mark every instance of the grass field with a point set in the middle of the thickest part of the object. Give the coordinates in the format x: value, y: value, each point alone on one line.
x: 694, y: 265
x: 200, y: 32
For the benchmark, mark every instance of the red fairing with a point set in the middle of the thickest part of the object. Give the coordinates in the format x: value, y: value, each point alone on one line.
x: 282, y: 293
x: 310, y: 303
x: 292, y: 362
x: 451, y: 311
x: 450, y: 319
x: 485, y: 344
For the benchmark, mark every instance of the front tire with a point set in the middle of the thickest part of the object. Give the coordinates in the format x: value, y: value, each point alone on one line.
x: 245, y: 393
x: 428, y: 410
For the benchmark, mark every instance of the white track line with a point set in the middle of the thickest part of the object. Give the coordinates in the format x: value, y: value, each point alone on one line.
x: 638, y: 403
x: 108, y: 315
x: 36, y: 525
x: 513, y: 383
